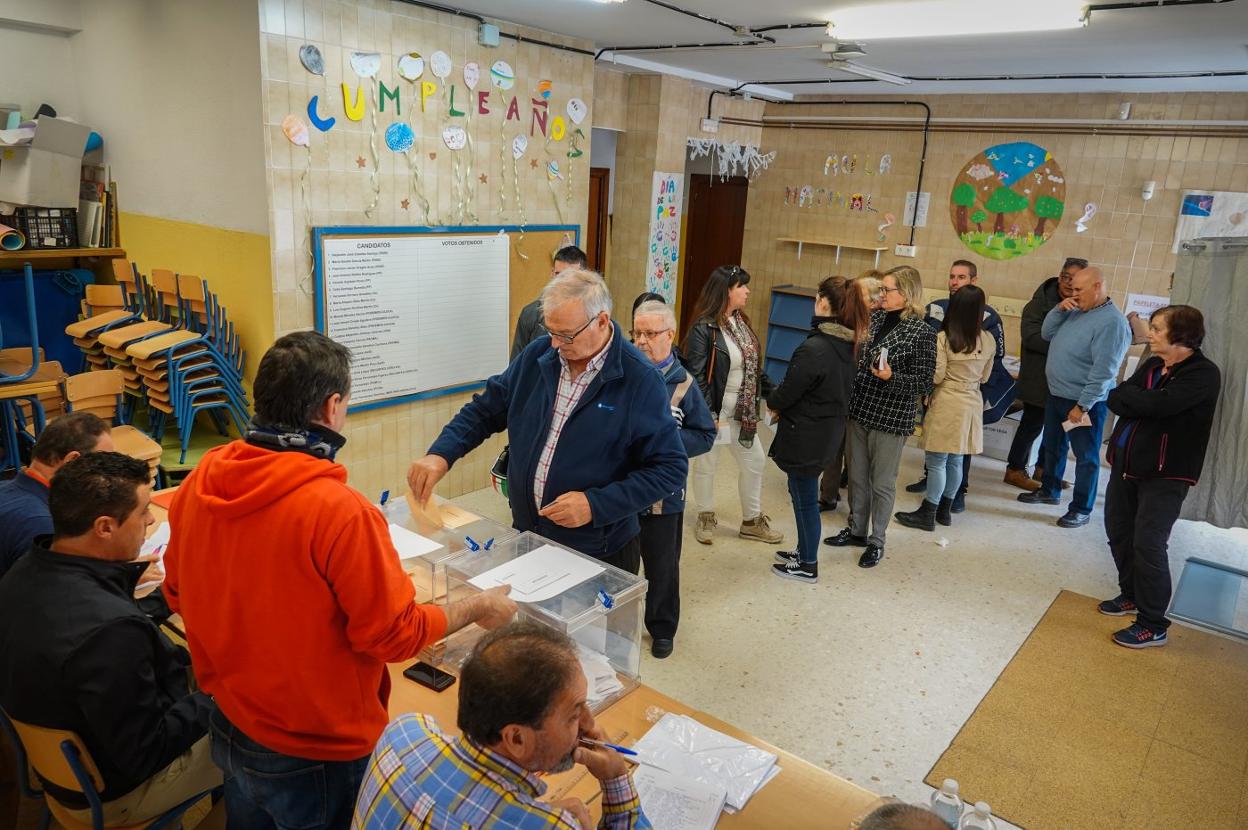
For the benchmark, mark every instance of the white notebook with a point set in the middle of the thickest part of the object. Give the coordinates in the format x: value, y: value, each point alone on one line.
x: 674, y: 802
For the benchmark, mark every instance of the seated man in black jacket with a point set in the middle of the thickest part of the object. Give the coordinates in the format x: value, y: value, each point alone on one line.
x: 76, y: 653
x: 1165, y: 413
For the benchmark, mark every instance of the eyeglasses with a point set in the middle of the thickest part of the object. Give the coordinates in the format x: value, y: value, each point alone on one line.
x: 886, y: 290
x: 568, y: 338
x: 638, y: 334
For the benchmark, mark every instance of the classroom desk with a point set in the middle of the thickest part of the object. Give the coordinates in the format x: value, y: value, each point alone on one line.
x: 801, y: 796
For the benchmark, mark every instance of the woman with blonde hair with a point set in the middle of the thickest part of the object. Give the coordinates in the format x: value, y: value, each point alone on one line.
x: 895, y: 370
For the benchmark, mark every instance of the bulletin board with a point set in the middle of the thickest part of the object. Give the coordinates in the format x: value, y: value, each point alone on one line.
x: 427, y: 311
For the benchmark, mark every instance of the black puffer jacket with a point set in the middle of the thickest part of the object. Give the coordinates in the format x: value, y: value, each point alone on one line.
x: 813, y: 399
x: 707, y: 336
x: 1164, y: 421
x: 1033, y: 388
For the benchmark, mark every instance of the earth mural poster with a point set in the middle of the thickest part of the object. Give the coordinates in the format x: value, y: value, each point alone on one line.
x: 665, y: 207
x: 1008, y: 200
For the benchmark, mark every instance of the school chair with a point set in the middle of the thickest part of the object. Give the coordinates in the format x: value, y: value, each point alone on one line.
x: 25, y: 772
x: 86, y: 332
x: 15, y: 373
x: 22, y: 415
x: 60, y: 757
x: 102, y: 393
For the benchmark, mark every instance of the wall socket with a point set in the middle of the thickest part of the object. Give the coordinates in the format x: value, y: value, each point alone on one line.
x: 906, y: 250
x: 710, y: 125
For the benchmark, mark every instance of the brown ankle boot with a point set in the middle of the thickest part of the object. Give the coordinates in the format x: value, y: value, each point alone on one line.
x: 1019, y: 479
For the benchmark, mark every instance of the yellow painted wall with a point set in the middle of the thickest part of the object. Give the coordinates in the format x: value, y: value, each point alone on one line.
x: 234, y: 263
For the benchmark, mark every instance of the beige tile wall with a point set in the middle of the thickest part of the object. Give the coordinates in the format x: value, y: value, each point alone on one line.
x: 382, y: 442
x: 1130, y: 239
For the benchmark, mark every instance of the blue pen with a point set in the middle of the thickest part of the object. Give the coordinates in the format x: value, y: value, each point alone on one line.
x: 604, y: 744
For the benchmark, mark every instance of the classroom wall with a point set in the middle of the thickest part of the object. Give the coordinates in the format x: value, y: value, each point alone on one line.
x: 41, y: 60
x: 1130, y: 239
x: 382, y: 442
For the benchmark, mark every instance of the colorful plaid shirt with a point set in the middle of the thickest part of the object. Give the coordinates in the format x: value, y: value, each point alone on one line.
x: 567, y: 396
x: 421, y: 779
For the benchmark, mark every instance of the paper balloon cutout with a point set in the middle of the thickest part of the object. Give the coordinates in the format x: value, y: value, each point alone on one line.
x: 577, y: 110
x: 472, y: 74
x: 399, y: 137
x: 295, y: 130
x: 552, y: 170
x: 411, y: 66
x: 311, y: 59
x: 518, y: 145
x: 365, y: 64
x: 1081, y: 224
x: 502, y: 76
x: 543, y: 88
x: 455, y: 137
x: 440, y: 63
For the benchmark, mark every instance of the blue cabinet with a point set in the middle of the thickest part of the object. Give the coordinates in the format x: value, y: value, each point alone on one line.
x: 788, y: 322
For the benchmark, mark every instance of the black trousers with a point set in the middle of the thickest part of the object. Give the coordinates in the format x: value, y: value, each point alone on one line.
x: 1139, y: 514
x: 1031, y: 425
x: 661, y: 538
x: 628, y: 557
x: 830, y: 486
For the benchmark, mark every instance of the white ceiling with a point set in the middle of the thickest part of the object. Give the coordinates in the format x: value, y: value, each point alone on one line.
x: 1147, y: 40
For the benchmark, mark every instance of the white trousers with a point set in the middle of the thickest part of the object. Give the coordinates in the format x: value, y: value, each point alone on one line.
x: 750, y: 462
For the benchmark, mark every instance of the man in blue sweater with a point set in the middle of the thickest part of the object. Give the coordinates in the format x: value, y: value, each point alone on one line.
x: 1088, y: 338
x: 592, y: 437
x: 24, y: 512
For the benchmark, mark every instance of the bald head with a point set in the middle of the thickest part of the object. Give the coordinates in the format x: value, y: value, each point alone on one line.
x: 902, y: 817
x: 1088, y: 288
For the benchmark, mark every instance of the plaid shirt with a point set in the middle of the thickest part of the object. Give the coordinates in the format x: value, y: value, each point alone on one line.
x: 420, y: 778
x: 891, y: 405
x: 567, y: 396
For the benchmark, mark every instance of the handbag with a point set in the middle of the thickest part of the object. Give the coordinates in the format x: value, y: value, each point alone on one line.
x: 498, y: 473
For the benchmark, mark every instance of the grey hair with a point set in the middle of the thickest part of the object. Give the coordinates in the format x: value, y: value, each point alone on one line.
x: 901, y: 817
x: 660, y: 308
x: 577, y: 284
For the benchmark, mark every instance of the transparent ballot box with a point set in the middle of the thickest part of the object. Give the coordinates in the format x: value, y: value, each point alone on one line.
x: 599, y: 606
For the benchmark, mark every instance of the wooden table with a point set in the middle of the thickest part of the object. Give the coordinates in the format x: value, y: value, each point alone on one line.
x: 801, y: 796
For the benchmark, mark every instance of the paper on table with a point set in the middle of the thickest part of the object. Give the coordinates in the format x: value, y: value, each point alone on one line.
x: 540, y: 574
x: 675, y: 802
x: 728, y: 808
x: 410, y: 545
x: 1085, y: 421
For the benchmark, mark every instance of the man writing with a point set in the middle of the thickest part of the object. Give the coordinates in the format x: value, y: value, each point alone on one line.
x: 998, y: 392
x: 77, y: 654
x: 294, y: 599
x: 1088, y: 337
x: 522, y: 712
x: 591, y: 432
x: 529, y: 322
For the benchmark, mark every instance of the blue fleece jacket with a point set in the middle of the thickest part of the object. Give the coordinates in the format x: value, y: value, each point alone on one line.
x: 1086, y: 349
x: 697, y: 430
x: 24, y: 514
x: 620, y: 446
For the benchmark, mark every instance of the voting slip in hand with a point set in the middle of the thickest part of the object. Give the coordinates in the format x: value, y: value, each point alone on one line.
x: 1085, y: 421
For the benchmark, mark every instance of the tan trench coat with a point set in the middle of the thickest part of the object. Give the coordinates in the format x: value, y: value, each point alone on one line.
x: 955, y: 417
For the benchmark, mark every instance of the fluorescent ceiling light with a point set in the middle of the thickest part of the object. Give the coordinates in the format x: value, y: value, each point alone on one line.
x: 627, y: 59
x: 868, y: 72
x: 937, y: 18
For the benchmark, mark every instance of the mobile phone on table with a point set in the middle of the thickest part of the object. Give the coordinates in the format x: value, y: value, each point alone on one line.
x: 429, y: 676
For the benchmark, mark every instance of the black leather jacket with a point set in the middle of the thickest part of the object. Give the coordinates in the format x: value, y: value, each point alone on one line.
x: 705, y: 336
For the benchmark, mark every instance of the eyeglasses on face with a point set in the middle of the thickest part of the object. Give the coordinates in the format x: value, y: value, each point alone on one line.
x: 568, y: 338
x: 640, y: 334
x: 887, y: 290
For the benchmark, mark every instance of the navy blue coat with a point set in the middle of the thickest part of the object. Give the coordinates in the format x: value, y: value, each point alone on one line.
x: 620, y: 446
x: 24, y: 514
x: 697, y: 429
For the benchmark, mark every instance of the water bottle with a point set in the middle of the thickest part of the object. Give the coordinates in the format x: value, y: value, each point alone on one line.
x: 979, y: 818
x: 947, y: 804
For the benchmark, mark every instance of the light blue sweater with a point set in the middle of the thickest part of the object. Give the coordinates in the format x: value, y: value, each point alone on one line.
x: 1085, y: 350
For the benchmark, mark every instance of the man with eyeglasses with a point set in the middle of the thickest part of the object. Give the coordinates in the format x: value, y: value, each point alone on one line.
x: 592, y: 437
x: 654, y: 329
x: 529, y: 321
x: 1033, y: 388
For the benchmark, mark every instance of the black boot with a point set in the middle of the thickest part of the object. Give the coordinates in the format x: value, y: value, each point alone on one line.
x: 922, y: 519
x: 918, y: 486
x: 944, y: 514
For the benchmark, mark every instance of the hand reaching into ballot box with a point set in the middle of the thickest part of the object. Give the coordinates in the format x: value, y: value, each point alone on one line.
x: 424, y: 474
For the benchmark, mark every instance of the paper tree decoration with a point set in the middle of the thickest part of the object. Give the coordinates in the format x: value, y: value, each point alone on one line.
x: 1018, y: 188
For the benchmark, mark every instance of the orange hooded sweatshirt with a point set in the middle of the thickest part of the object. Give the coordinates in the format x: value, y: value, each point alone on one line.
x: 293, y: 600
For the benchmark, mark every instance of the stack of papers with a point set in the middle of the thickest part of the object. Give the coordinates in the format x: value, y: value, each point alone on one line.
x: 675, y: 802
x: 540, y: 574
x: 601, y: 680
x: 691, y: 752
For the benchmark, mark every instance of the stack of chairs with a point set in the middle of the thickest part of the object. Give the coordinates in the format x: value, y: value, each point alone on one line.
x: 101, y: 393
x: 107, y: 307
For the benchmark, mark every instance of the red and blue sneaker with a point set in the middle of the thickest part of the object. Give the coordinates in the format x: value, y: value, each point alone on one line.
x: 1139, y: 636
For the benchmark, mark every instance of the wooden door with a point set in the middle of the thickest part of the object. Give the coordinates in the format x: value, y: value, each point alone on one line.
x: 596, y: 227
x: 713, y: 235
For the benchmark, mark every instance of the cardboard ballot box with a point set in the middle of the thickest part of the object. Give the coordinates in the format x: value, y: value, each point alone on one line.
x: 47, y: 171
x: 600, y: 607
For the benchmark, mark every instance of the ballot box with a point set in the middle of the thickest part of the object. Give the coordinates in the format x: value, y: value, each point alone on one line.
x: 600, y: 607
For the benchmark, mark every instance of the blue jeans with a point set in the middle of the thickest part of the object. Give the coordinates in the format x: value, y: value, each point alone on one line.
x: 944, y: 475
x: 1086, y: 442
x: 266, y: 790
x: 804, y: 491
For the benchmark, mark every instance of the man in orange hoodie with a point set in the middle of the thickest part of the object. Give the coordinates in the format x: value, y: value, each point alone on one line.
x: 294, y: 600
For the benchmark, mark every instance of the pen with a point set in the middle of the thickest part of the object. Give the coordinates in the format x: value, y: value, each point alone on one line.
x: 604, y: 744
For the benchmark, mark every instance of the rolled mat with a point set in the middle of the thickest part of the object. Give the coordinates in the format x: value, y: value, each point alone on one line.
x: 11, y: 239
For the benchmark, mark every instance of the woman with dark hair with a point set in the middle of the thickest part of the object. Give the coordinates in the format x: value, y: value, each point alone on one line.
x: 1157, y: 451
x: 722, y: 353
x: 954, y: 426
x: 811, y: 405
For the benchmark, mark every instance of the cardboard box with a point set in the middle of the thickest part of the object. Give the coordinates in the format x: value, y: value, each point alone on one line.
x: 46, y: 172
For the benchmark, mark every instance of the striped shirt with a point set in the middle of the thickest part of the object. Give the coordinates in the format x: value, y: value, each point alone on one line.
x: 421, y: 779
x: 567, y: 396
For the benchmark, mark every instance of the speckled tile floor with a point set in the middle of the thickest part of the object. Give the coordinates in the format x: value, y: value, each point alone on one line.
x: 870, y: 673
